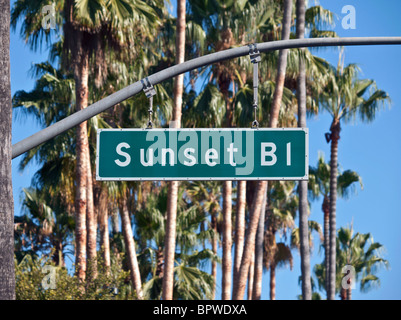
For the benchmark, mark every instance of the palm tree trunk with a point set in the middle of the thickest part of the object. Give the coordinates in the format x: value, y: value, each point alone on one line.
x: 7, y: 273
x: 227, y: 240
x: 130, y: 248
x: 60, y: 254
x: 303, y: 185
x: 326, y: 234
x: 251, y: 277
x: 239, y: 226
x: 274, y: 114
x: 227, y: 219
x: 304, y: 240
x: 257, y: 283
x: 115, y: 226
x: 335, y: 136
x: 343, y: 294
x: 91, y: 227
x: 180, y: 58
x: 227, y: 228
x: 57, y: 255
x: 159, y: 263
x: 103, y: 216
x: 249, y: 248
x: 282, y: 65
x: 170, y: 240
x: 168, y: 278
x: 214, y: 249
x: 115, y: 229
x: 272, y: 282
x: 81, y: 73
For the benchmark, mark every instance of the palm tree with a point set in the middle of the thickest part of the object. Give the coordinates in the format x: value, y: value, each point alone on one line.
x: 239, y: 226
x: 190, y: 258
x: 129, y: 240
x: 129, y: 115
x: 227, y: 76
x: 87, y: 39
x: 103, y: 220
x: 251, y: 277
x: 303, y: 185
x: 281, y: 208
x: 230, y: 30
x: 51, y: 100
x: 227, y: 241
x: 319, y: 185
x: 274, y: 117
x: 173, y: 186
x: 316, y: 18
x: 192, y: 283
x: 313, y: 226
x: 282, y: 65
x: 345, y: 97
x: 45, y: 227
x: 206, y: 195
x: 249, y: 247
x: 279, y: 256
x: 361, y: 253
x: 258, y: 272
x: 50, y: 204
x: 189, y: 281
x: 7, y: 278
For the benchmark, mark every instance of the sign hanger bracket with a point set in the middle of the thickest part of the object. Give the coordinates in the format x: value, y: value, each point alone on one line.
x: 149, y: 91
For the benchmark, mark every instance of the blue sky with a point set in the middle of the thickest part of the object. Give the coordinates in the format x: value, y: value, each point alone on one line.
x: 373, y: 150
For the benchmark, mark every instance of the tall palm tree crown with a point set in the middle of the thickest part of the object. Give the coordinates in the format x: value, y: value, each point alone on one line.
x: 346, y: 98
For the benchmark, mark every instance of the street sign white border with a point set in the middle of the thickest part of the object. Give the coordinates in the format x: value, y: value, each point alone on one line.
x: 304, y: 178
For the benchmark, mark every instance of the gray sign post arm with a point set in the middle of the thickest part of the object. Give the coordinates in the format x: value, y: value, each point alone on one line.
x: 133, y: 89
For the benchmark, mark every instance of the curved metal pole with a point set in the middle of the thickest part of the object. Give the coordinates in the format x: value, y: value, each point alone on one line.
x: 158, y: 77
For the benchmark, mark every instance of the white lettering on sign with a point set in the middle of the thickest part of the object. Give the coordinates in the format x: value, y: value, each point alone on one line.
x: 187, y: 154
x: 209, y: 155
x: 288, y: 154
x: 150, y: 158
x: 270, y: 153
x: 124, y: 154
x: 171, y: 157
x: 231, y: 151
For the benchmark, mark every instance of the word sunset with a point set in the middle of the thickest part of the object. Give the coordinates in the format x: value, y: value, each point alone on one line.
x: 202, y: 154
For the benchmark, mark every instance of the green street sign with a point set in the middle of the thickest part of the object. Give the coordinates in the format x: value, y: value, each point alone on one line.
x: 202, y: 154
